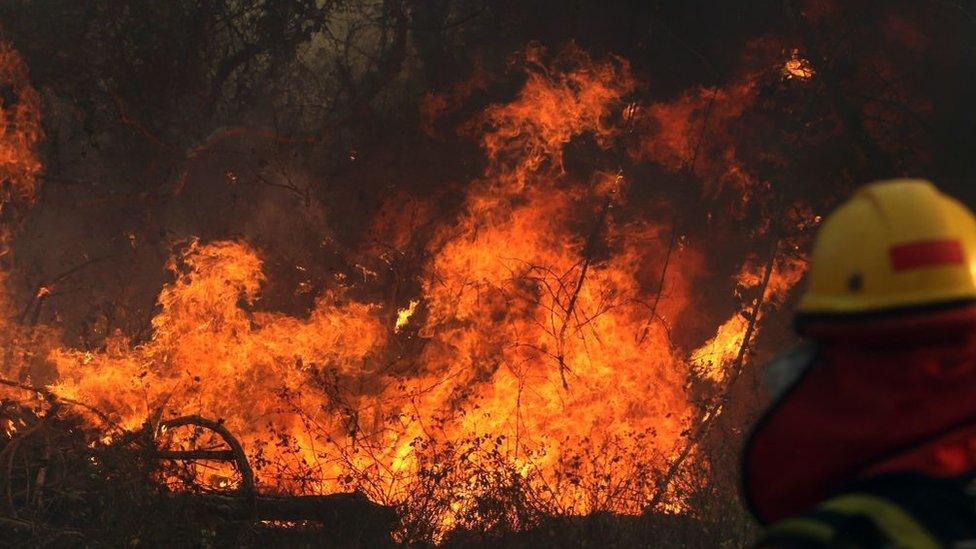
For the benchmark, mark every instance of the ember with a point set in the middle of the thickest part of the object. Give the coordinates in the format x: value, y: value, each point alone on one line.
x: 797, y: 67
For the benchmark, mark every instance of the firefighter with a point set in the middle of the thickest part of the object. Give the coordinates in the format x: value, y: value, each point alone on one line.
x: 871, y: 437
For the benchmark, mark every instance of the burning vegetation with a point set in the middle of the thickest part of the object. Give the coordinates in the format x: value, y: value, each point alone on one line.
x: 340, y: 273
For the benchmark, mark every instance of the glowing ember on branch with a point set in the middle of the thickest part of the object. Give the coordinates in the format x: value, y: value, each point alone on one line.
x: 797, y: 67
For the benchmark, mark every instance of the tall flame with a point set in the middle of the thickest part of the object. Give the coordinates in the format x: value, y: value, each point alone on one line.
x: 20, y: 129
x: 20, y: 133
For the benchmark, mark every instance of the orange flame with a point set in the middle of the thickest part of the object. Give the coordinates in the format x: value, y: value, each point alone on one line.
x: 711, y: 359
x: 20, y: 133
x: 20, y: 129
x: 541, y: 363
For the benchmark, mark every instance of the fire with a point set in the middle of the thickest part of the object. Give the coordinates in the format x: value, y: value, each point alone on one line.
x: 679, y: 135
x: 210, y: 354
x: 545, y: 361
x: 20, y: 166
x: 403, y: 315
x: 20, y: 129
x: 798, y: 67
x: 528, y: 135
x: 712, y: 358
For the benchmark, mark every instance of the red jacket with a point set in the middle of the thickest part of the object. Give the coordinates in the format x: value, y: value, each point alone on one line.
x: 882, y: 401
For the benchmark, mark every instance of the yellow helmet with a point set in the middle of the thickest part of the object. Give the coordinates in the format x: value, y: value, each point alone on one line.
x: 898, y: 245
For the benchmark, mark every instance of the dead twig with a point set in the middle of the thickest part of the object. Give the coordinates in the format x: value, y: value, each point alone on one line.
x: 43, y: 290
x: 588, y: 250
x: 660, y: 284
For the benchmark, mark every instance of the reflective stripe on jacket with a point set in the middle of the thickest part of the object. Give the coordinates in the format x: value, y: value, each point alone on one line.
x: 897, y: 510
